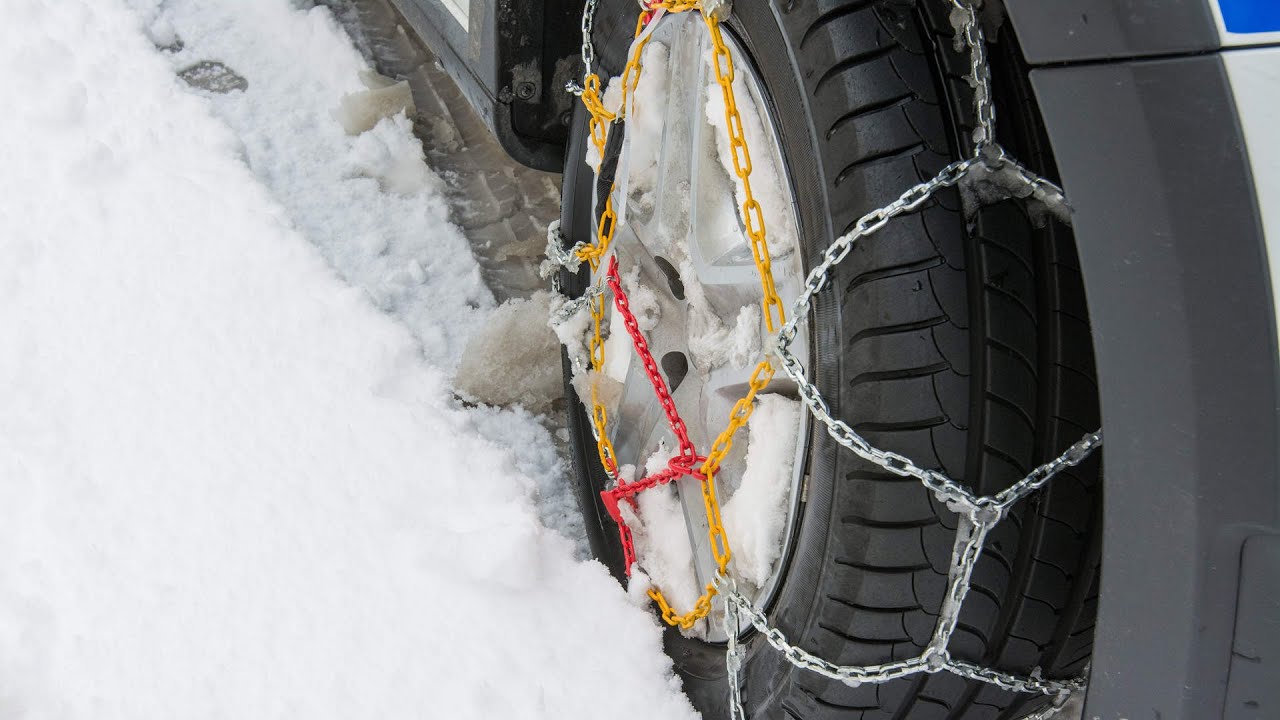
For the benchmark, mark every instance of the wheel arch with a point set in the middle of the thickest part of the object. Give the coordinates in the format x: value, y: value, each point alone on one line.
x: 1172, y: 249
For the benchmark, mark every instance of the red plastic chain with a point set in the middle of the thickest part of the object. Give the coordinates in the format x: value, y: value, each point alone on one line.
x: 686, y: 463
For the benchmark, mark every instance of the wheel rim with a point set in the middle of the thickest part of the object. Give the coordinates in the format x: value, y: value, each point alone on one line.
x: 688, y: 269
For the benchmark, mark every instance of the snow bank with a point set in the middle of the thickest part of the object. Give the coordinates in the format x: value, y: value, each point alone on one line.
x: 371, y: 207
x: 232, y: 487
x: 369, y: 204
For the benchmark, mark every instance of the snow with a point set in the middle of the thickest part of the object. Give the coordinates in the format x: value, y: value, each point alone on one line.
x: 646, y: 117
x: 298, y: 80
x: 713, y: 343
x: 514, y: 359
x: 236, y: 480
x: 767, y: 176
x: 388, y: 153
x: 642, y: 301
x: 755, y: 514
x: 647, y: 114
x: 661, y: 537
x: 572, y: 325
x: 618, y: 348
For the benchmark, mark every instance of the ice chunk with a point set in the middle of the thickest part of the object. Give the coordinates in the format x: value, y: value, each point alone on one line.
x: 382, y: 98
x: 608, y: 390
x: 514, y: 359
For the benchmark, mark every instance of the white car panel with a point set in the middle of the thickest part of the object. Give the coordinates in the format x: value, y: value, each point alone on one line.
x: 1254, y: 75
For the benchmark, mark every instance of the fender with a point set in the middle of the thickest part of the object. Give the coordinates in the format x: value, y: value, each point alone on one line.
x: 1147, y: 117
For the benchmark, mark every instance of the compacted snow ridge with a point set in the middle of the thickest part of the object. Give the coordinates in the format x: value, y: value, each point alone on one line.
x: 329, y: 139
x: 234, y: 479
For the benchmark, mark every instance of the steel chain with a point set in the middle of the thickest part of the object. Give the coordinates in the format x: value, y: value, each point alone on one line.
x: 733, y: 659
x: 569, y: 308
x: 588, y: 50
x: 558, y: 256
x: 977, y: 515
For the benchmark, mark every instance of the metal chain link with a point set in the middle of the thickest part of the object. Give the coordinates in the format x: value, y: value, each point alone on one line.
x: 558, y: 256
x: 977, y: 515
x: 971, y: 37
x: 970, y: 537
x: 588, y: 50
x: 733, y: 659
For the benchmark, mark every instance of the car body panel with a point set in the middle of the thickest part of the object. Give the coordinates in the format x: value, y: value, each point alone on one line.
x: 512, y: 61
x: 1055, y: 31
x: 1254, y: 76
x: 1175, y: 262
x: 1064, y: 31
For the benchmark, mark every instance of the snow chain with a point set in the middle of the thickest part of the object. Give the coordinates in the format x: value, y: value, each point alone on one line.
x: 977, y: 515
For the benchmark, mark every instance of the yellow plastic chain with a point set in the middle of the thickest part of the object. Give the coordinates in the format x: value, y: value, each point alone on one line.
x: 591, y: 98
x: 753, y: 218
x: 715, y: 527
x: 600, y: 416
x: 600, y: 118
x: 752, y: 215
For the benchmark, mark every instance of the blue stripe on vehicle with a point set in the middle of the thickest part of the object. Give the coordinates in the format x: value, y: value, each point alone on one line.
x: 1250, y: 16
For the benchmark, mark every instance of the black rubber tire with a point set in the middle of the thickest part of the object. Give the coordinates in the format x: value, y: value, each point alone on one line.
x: 963, y: 345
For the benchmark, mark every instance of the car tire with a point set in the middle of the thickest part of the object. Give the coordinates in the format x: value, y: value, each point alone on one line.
x: 959, y: 339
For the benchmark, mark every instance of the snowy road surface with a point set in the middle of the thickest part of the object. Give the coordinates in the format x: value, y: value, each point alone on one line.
x: 234, y: 481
